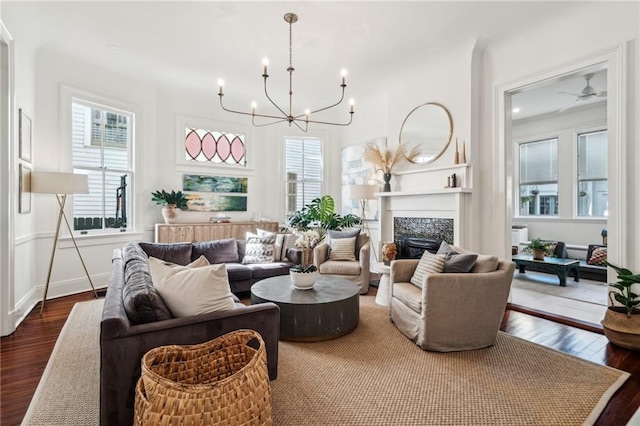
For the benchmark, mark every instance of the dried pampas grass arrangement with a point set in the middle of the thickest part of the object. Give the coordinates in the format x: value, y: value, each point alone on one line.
x: 385, y: 159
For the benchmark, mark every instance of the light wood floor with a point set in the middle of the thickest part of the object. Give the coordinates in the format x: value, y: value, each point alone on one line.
x: 24, y: 355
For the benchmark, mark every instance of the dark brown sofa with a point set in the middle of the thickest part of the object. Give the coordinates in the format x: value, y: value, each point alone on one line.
x: 124, y: 341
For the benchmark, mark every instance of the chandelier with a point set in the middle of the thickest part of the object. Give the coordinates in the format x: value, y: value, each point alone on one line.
x: 299, y: 120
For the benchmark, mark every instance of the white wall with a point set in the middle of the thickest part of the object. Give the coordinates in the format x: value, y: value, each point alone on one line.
x: 556, y: 43
x: 566, y: 226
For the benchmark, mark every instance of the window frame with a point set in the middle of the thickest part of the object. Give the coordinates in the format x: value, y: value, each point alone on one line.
x: 576, y: 161
x: 70, y: 93
x: 286, y: 181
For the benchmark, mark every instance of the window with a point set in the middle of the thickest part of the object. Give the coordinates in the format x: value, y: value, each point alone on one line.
x: 538, y: 186
x: 209, y: 146
x: 102, y: 149
x: 303, y: 172
x: 592, y: 174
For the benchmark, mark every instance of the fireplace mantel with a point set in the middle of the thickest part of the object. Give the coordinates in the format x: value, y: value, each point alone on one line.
x: 424, y: 192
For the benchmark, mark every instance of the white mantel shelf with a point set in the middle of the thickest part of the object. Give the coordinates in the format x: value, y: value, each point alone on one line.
x: 424, y: 192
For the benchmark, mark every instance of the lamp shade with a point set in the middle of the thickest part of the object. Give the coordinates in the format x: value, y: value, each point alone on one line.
x: 59, y: 183
x: 362, y: 192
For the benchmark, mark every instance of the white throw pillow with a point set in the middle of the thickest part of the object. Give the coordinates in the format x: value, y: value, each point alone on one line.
x: 198, y: 263
x: 192, y: 291
x: 343, y: 249
x: 260, y: 247
x: 428, y: 264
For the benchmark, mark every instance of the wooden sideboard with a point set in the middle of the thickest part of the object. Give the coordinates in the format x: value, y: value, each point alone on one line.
x: 192, y: 232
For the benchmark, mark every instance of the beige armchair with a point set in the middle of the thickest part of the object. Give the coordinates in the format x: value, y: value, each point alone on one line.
x: 357, y: 271
x: 452, y: 311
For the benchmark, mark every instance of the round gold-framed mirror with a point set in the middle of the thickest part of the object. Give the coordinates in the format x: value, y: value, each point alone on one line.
x: 429, y: 128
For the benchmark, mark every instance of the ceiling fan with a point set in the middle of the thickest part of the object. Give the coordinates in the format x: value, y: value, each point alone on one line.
x: 587, y: 93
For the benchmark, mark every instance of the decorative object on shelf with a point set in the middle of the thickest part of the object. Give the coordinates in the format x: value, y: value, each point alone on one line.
x: 429, y: 127
x: 320, y: 216
x: 24, y: 136
x: 389, y: 251
x: 60, y: 184
x: 454, y: 181
x: 621, y: 323
x: 603, y: 234
x: 448, y: 182
x: 538, y: 248
x: 464, y: 152
x: 220, y: 218
x: 171, y: 202
x: 384, y: 159
x: 456, y: 156
x: 303, y: 277
x: 301, y: 121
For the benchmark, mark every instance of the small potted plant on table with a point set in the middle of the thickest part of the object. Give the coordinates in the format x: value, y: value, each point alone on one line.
x: 621, y: 323
x: 538, y: 248
x: 170, y: 201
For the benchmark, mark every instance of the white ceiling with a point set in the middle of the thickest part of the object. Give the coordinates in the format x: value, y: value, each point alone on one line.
x: 192, y: 44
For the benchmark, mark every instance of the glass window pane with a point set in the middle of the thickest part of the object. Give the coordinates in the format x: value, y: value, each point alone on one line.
x: 210, y: 146
x: 592, y: 174
x: 87, y: 208
x: 539, y: 162
x: 539, y: 200
x: 303, y: 168
x: 117, y: 200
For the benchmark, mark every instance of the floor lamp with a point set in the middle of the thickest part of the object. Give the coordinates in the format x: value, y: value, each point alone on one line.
x: 60, y: 184
x: 364, y: 193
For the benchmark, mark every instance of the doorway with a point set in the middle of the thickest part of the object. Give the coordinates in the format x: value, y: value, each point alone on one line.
x: 546, y: 198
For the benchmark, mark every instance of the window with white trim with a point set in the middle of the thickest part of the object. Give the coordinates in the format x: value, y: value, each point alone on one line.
x: 592, y: 174
x: 303, y: 172
x: 538, y: 183
x: 102, y: 147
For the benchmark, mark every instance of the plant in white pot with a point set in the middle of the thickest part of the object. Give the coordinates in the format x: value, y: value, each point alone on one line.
x: 171, y: 201
x: 621, y: 323
x: 304, y: 275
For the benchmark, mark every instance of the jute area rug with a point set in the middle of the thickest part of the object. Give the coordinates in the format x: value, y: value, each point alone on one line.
x: 373, y: 376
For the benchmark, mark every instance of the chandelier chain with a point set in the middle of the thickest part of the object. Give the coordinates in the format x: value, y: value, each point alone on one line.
x: 290, y: 45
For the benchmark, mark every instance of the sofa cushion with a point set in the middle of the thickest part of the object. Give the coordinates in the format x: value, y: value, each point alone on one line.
x: 429, y: 264
x: 598, y: 257
x: 178, y: 253
x: 238, y: 272
x: 343, y: 249
x: 217, y: 251
x: 484, y: 262
x: 261, y: 271
x: 142, y: 302
x: 192, y: 291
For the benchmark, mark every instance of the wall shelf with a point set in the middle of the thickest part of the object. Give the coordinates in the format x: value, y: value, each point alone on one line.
x: 458, y: 190
x: 433, y: 169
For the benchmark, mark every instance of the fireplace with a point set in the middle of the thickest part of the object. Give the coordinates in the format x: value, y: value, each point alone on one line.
x: 414, y: 235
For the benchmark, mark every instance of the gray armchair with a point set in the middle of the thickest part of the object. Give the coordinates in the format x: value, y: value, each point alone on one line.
x: 452, y: 311
x: 357, y: 272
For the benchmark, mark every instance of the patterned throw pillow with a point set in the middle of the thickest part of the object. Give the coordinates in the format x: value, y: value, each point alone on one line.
x: 598, y: 257
x: 260, y: 247
x: 428, y: 264
x: 343, y: 249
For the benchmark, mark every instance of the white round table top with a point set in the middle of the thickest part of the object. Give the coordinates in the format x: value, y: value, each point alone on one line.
x: 381, y: 268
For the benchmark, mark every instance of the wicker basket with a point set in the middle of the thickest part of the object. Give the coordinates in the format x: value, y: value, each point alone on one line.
x: 222, y: 382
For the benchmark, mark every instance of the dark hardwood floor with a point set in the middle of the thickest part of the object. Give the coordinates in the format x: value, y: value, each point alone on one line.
x: 24, y: 355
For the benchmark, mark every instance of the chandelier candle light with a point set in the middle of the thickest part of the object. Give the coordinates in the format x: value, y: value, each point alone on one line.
x: 301, y: 121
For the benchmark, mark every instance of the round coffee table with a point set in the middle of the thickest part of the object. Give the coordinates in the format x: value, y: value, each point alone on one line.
x: 330, y: 309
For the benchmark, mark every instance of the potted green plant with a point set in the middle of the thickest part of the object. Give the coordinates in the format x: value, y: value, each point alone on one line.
x: 320, y: 215
x: 303, y: 277
x: 538, y: 248
x: 170, y: 201
x: 621, y: 323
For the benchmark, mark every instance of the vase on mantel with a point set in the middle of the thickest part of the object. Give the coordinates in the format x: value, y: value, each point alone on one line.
x: 169, y: 213
x: 387, y: 185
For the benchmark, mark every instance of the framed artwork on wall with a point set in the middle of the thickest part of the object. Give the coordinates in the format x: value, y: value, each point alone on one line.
x: 24, y: 136
x: 202, y: 183
x: 24, y: 189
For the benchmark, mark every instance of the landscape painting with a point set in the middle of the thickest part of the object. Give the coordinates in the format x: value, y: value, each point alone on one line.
x: 216, y: 203
x: 202, y: 183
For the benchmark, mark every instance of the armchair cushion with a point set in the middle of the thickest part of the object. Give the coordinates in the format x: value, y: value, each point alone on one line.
x: 343, y: 249
x: 408, y: 294
x: 339, y: 267
x: 483, y: 262
x: 333, y: 235
x: 460, y: 263
x: 429, y: 264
